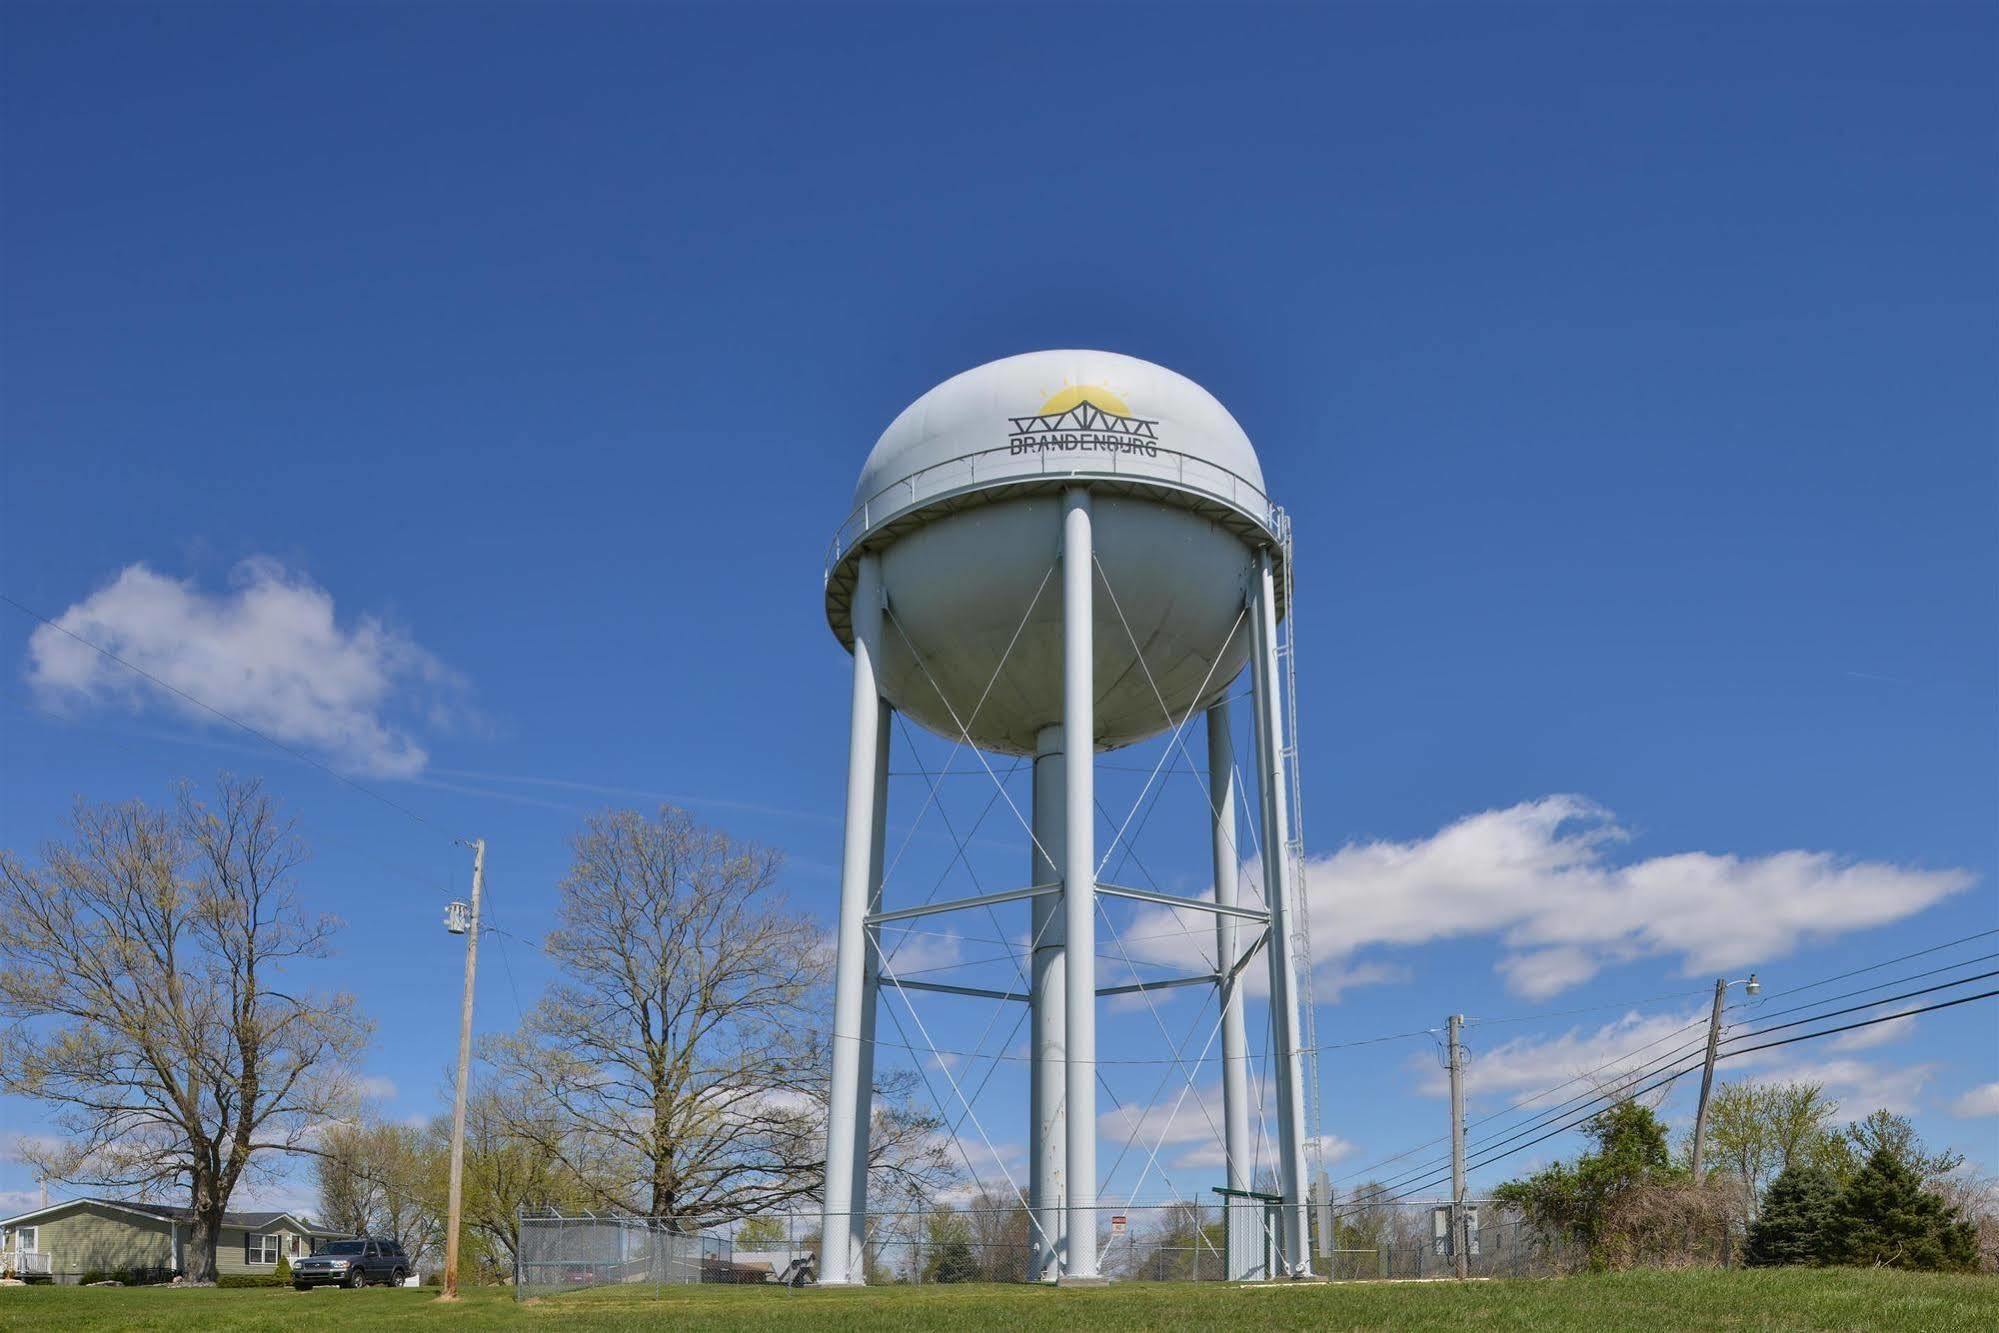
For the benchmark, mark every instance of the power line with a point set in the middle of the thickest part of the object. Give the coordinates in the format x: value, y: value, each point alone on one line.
x: 1545, y: 1117
x: 1490, y: 1157
x: 1882, y: 985
x: 1534, y: 1097
x: 1863, y: 1023
x: 1875, y: 967
x: 233, y: 721
x: 1568, y: 1106
x: 1587, y: 1009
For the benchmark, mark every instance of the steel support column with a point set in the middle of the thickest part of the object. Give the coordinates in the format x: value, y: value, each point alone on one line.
x: 864, y: 1082
x: 1235, y: 1042
x: 1279, y: 890
x: 853, y: 991
x: 1048, y: 1146
x: 1079, y: 880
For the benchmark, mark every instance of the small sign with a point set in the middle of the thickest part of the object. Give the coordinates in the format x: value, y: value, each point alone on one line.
x: 1117, y: 1224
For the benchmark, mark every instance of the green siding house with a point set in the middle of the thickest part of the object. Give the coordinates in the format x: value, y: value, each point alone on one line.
x: 66, y: 1240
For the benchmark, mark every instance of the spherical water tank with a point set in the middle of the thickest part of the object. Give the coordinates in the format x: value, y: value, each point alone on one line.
x: 962, y: 501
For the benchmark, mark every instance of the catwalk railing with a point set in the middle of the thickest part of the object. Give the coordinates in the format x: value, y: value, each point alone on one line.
x: 1188, y: 1241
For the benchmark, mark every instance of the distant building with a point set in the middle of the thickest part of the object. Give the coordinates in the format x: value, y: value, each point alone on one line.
x: 63, y: 1241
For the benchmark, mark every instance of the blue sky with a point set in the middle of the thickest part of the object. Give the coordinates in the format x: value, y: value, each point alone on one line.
x: 1627, y: 372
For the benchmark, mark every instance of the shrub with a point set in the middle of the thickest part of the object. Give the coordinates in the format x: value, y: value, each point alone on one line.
x: 284, y: 1273
x: 250, y: 1280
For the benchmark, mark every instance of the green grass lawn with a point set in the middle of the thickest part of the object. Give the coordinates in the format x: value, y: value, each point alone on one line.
x: 1709, y: 1302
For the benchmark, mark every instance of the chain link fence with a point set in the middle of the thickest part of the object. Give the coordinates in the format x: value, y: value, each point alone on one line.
x: 560, y: 1253
x: 1185, y: 1241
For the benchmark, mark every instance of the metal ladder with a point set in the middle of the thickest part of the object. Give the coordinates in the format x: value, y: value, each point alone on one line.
x: 1294, y: 851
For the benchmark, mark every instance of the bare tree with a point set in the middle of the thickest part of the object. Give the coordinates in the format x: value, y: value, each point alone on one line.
x: 507, y: 1173
x: 140, y: 967
x: 1758, y: 1129
x: 378, y: 1178
x: 682, y: 1044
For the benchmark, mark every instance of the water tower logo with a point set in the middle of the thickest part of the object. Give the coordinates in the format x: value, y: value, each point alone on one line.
x: 1084, y: 418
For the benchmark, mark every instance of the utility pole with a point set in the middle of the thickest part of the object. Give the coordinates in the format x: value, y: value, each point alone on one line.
x: 1721, y: 985
x: 457, y: 1197
x: 1460, y: 1237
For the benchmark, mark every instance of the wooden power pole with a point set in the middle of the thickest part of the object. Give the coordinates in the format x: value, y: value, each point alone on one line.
x: 457, y: 1197
x: 1460, y: 1233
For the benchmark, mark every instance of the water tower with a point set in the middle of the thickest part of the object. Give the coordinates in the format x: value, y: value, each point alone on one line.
x: 1053, y: 555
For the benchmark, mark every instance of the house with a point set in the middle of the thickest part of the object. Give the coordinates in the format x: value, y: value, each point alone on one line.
x: 67, y: 1240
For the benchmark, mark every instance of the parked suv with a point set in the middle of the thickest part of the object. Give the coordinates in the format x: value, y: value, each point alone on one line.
x: 352, y: 1263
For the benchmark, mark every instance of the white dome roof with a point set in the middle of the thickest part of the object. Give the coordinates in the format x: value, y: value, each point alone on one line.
x: 1073, y: 411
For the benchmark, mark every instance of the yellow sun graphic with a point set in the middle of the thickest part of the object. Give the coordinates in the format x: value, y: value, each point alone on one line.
x: 1094, y: 394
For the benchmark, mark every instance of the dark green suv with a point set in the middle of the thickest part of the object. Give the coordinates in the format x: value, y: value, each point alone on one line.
x: 352, y: 1263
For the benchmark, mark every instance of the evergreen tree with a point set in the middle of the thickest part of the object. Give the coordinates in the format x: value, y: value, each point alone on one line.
x: 954, y: 1262
x: 1885, y: 1218
x: 949, y: 1240
x: 1796, y: 1214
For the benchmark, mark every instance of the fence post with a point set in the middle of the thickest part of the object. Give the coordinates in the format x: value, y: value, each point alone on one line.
x: 520, y: 1239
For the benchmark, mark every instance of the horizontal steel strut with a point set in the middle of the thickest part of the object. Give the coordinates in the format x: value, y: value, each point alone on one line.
x: 1175, y: 900
x: 960, y: 904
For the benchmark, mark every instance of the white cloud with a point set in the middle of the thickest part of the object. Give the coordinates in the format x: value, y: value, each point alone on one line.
x: 1656, y: 1043
x: 15, y: 1147
x: 268, y: 650
x: 1880, y: 1034
x: 1859, y: 1086
x: 1979, y: 1101
x: 375, y: 1086
x: 917, y: 951
x: 1540, y: 877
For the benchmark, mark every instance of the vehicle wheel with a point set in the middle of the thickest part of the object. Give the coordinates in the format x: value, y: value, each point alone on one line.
x: 357, y: 1279
x: 301, y: 1286
x: 400, y: 1276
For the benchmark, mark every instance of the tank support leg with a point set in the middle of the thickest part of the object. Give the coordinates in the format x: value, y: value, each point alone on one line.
x: 849, y: 1105
x: 1279, y: 891
x: 1228, y: 944
x: 1079, y: 880
x: 1047, y: 1133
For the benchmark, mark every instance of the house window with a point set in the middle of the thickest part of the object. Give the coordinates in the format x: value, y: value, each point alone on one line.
x: 25, y: 1240
x: 299, y: 1249
x: 262, y: 1249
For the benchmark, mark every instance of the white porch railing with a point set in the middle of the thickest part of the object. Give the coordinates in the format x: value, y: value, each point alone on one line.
x: 25, y: 1261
